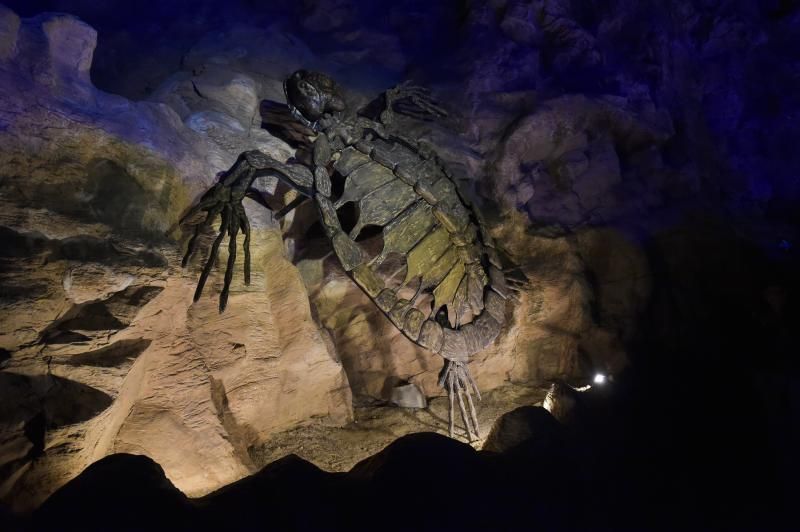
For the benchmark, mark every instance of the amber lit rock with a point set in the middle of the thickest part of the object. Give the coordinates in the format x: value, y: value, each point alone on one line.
x: 105, y: 351
x: 98, y: 316
x: 9, y: 27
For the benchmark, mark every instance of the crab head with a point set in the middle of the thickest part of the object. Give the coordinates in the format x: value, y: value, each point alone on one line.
x: 311, y: 95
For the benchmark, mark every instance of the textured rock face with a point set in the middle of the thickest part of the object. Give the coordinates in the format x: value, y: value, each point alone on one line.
x: 562, y: 163
x: 105, y: 352
x: 96, y: 314
x: 408, y: 396
x: 585, y: 128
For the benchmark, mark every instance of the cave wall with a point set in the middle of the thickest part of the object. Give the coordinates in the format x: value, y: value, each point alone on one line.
x: 105, y: 351
x: 581, y: 128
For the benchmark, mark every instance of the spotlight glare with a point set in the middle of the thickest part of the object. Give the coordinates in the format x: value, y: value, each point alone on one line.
x: 599, y: 378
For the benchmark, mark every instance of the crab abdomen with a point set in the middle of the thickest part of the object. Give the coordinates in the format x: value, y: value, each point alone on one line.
x: 434, y: 271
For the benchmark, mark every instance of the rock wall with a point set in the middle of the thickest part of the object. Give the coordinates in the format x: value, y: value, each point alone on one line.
x: 103, y: 350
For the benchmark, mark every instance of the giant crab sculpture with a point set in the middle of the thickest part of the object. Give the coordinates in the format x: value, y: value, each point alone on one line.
x: 451, y: 274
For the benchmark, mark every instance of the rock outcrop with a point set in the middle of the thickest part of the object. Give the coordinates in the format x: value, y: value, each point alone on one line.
x: 97, y: 315
x: 522, y: 426
x: 292, y: 494
x: 105, y: 352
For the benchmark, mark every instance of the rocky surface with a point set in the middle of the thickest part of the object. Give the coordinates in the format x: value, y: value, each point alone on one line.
x: 105, y: 351
x: 532, y: 472
x: 585, y: 142
x: 109, y: 180
x: 337, y: 449
x: 283, y: 493
x: 408, y: 396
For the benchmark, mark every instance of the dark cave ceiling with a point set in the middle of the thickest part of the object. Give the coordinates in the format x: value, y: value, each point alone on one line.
x: 726, y: 72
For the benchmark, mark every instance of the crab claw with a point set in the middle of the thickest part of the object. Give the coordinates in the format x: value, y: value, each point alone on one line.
x: 413, y: 101
x: 224, y: 199
x: 458, y: 382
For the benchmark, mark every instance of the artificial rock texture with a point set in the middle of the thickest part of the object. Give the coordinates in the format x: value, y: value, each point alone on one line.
x: 105, y: 352
x: 135, y: 492
x: 594, y: 471
x: 576, y: 134
x: 280, y: 494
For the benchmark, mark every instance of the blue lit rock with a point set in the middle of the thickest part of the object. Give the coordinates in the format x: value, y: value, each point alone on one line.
x: 9, y: 28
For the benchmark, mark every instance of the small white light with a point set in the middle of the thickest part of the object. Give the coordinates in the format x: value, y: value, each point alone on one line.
x: 599, y: 378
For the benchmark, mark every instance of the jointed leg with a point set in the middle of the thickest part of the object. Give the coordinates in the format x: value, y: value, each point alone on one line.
x: 454, y: 379
x: 461, y: 375
x: 225, y: 199
x: 457, y: 381
x: 451, y: 394
x: 233, y: 219
x: 412, y: 101
x: 245, y: 224
x: 212, y: 255
x: 299, y: 200
x: 233, y: 231
x: 198, y: 230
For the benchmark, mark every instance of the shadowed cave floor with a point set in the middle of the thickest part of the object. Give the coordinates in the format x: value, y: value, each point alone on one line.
x: 338, y: 449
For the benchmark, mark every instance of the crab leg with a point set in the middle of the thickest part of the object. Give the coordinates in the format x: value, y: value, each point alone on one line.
x: 462, y: 372
x: 472, y: 382
x: 198, y: 230
x: 299, y: 200
x: 451, y: 396
x: 212, y: 255
x: 461, y: 407
x: 245, y: 225
x: 233, y: 231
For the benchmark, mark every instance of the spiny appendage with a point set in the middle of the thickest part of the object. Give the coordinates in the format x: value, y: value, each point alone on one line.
x: 224, y: 199
x: 456, y: 379
x: 412, y: 101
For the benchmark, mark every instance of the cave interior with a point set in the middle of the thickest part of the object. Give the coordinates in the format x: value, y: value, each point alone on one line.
x: 635, y: 165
